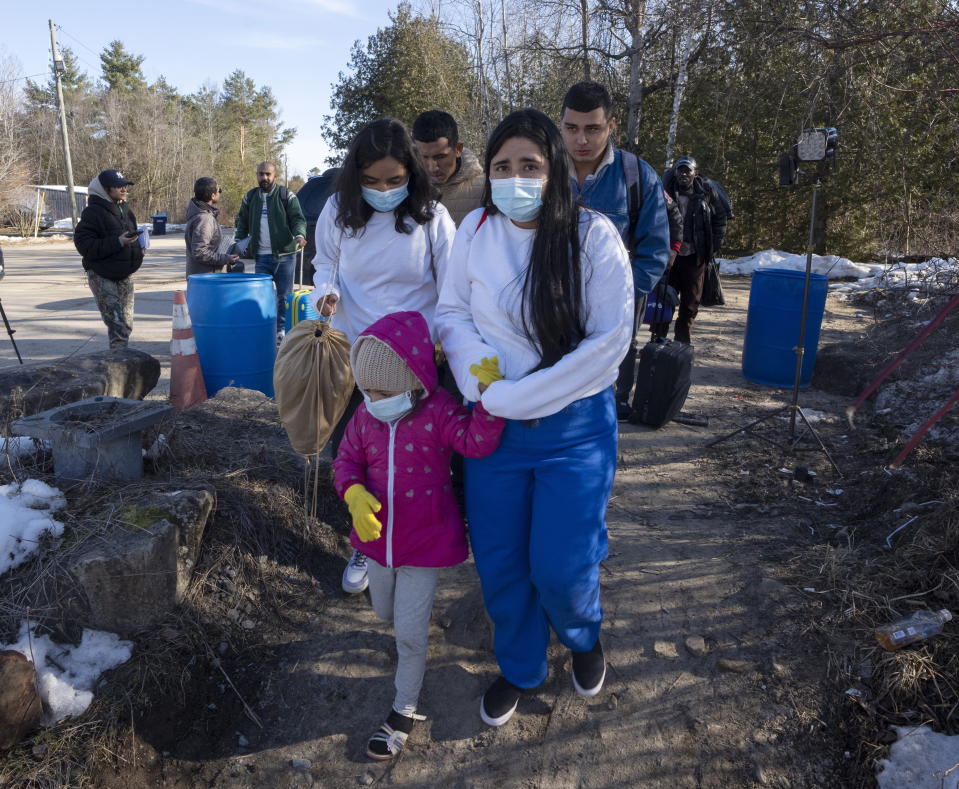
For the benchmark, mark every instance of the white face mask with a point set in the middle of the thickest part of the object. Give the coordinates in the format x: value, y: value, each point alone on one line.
x: 521, y: 199
x: 389, y: 409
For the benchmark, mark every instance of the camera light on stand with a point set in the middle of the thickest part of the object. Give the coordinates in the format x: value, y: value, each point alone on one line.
x: 811, y: 145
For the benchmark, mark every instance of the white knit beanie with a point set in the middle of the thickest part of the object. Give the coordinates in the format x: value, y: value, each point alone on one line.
x: 377, y: 366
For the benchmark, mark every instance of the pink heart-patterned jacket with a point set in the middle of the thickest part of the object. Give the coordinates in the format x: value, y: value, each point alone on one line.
x: 406, y: 464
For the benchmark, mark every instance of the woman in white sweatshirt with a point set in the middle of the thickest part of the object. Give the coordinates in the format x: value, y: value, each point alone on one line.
x: 544, y: 287
x: 392, y: 241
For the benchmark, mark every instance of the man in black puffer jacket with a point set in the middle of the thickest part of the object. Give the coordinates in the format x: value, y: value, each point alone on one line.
x: 106, y: 236
x: 706, y: 210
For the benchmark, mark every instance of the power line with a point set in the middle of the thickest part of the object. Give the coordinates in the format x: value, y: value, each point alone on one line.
x: 68, y: 35
x: 25, y: 76
x: 87, y: 63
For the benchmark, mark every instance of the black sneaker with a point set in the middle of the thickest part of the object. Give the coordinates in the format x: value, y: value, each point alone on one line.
x: 589, y: 670
x: 499, y: 702
x: 623, y: 410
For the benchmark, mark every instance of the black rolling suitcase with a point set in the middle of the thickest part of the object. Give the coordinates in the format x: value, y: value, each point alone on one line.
x: 662, y: 381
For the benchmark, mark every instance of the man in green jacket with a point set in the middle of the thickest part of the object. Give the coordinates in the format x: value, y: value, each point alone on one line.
x: 271, y: 218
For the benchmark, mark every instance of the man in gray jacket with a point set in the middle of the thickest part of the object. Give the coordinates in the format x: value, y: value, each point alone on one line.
x: 202, y: 233
x: 454, y: 170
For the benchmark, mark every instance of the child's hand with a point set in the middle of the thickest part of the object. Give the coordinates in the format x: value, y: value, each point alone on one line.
x: 486, y: 371
x: 362, y: 505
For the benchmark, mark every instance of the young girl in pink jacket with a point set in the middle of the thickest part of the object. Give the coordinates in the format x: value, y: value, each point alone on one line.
x: 393, y: 471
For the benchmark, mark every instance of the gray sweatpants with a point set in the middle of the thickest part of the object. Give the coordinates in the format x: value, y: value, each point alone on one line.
x: 404, y: 596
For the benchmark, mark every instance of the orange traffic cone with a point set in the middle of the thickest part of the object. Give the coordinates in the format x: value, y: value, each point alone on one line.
x: 186, y: 379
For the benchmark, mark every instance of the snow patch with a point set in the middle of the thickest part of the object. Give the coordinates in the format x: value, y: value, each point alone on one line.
x: 25, y: 516
x: 920, y: 759
x: 66, y: 674
x: 831, y: 266
x: 32, y: 240
x: 918, y: 278
x: 929, y: 276
x: 20, y: 446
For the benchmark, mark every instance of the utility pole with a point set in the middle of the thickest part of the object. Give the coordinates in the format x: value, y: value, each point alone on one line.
x: 58, y: 69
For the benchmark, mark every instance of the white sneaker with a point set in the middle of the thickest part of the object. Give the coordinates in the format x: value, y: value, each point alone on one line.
x: 355, y: 579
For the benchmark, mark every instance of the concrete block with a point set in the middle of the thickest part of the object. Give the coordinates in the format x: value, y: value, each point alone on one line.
x: 128, y: 576
x: 188, y: 509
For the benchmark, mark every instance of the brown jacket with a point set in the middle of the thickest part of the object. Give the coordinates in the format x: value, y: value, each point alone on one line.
x: 464, y: 190
x: 202, y: 236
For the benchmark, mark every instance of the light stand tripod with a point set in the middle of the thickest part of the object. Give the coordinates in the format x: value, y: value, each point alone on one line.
x: 794, y: 409
x: 10, y: 331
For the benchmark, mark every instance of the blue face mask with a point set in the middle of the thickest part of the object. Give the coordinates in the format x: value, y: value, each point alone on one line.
x: 385, y: 201
x: 521, y: 199
x: 389, y: 409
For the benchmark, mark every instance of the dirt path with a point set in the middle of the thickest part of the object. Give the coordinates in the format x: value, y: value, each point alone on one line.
x: 687, y: 562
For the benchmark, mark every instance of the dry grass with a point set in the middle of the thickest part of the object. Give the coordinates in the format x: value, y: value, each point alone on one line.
x: 262, y: 559
x: 871, y: 584
x: 859, y: 582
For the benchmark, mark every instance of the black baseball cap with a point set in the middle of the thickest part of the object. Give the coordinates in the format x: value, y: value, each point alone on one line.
x: 111, y: 179
x: 686, y: 161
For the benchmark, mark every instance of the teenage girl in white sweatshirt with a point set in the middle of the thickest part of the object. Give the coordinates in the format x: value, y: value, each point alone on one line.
x: 545, y: 287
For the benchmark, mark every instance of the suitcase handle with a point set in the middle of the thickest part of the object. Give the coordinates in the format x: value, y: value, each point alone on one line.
x: 660, y: 312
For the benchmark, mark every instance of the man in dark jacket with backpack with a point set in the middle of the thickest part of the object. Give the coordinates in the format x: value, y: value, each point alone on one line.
x: 706, y: 209
x: 624, y: 188
x: 271, y: 218
x: 106, y: 236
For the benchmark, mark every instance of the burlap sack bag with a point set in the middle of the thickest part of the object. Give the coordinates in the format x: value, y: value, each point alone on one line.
x: 313, y: 383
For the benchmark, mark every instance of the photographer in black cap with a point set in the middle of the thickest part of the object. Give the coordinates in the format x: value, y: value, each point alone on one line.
x: 706, y: 209
x: 106, y: 236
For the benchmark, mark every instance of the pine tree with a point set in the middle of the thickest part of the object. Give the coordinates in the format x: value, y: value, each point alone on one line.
x: 121, y: 69
x: 407, y: 67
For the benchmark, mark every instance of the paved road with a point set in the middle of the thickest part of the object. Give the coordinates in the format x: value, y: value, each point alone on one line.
x: 49, y: 305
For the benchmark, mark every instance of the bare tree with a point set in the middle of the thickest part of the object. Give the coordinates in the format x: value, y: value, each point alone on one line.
x: 685, y: 45
x: 635, y: 17
x: 13, y: 169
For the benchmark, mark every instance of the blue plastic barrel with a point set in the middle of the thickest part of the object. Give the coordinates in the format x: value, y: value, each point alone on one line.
x: 234, y: 322
x: 772, y: 326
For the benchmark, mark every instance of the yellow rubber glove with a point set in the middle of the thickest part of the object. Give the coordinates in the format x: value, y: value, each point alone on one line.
x: 487, y: 370
x: 362, y: 505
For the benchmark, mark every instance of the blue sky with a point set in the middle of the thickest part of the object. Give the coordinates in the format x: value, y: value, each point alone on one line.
x: 297, y: 47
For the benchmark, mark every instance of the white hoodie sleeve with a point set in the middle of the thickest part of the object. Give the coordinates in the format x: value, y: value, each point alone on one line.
x: 327, y: 238
x: 441, y: 233
x: 458, y: 334
x: 593, y: 365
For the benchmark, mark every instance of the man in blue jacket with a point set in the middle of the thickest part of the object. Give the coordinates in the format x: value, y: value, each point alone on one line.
x: 625, y: 188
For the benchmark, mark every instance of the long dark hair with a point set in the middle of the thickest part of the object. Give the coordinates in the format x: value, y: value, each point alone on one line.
x: 552, y: 306
x: 375, y: 141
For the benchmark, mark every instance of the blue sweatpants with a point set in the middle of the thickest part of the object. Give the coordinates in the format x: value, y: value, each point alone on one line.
x: 537, y: 520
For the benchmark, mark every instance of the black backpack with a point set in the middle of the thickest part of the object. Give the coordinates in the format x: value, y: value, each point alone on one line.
x: 634, y: 194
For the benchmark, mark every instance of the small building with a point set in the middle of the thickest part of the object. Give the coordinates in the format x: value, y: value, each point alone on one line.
x: 52, y: 202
